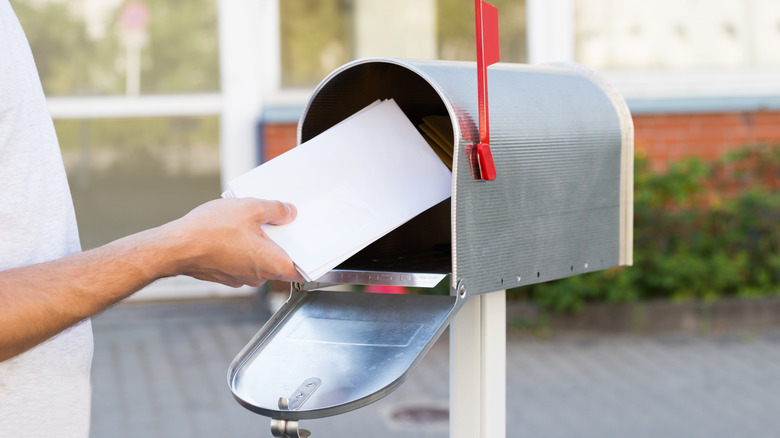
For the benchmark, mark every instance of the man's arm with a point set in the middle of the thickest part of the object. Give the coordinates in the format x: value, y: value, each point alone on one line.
x: 219, y: 241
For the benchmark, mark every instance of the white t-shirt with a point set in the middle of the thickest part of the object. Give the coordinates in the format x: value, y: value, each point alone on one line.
x: 44, y: 392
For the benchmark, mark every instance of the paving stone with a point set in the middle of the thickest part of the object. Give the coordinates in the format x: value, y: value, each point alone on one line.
x: 160, y: 371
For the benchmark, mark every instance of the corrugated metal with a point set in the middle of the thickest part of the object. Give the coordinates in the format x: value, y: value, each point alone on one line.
x: 562, y: 141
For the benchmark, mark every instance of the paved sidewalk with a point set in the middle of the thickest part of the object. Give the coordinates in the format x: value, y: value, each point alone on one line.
x: 160, y: 371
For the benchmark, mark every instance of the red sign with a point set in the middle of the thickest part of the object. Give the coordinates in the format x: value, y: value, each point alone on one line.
x: 134, y: 17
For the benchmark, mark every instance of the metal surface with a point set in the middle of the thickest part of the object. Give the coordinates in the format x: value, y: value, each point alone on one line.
x: 408, y: 279
x: 360, y: 346
x: 288, y: 429
x: 562, y: 141
x: 300, y: 395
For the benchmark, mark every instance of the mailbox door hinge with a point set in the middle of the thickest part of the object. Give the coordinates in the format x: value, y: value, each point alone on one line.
x: 289, y: 428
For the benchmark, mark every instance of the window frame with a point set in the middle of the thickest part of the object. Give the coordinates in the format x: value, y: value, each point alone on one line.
x: 551, y: 37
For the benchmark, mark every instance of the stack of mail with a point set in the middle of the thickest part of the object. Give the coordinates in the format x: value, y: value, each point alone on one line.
x: 437, y: 131
x: 352, y: 184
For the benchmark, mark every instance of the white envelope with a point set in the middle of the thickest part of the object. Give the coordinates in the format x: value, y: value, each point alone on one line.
x: 352, y: 184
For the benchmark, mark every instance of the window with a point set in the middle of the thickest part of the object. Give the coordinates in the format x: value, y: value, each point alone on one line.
x: 82, y: 49
x: 318, y: 36
x: 129, y: 174
x: 677, y: 34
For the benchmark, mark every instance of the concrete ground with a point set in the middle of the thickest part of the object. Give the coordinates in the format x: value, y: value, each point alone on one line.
x: 160, y: 371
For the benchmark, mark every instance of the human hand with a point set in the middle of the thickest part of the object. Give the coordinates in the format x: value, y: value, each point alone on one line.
x: 219, y: 241
x: 222, y: 241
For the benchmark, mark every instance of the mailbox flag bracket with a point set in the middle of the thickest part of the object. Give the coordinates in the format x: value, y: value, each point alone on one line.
x: 488, y: 52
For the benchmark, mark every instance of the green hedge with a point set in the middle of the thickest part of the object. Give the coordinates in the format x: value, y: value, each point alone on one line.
x: 701, y: 230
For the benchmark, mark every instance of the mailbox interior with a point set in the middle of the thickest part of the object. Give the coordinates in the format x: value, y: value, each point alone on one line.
x: 418, y: 253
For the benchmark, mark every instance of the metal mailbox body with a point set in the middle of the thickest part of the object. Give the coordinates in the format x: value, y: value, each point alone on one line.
x: 562, y: 142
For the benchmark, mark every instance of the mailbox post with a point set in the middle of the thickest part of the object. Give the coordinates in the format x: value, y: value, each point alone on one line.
x: 562, y: 145
x: 478, y: 368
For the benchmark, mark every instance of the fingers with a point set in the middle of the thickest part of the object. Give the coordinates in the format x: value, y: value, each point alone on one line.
x: 289, y: 273
x: 279, y: 266
x: 276, y: 212
x: 224, y: 242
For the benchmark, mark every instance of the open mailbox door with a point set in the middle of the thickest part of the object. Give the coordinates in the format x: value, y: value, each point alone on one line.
x: 331, y: 352
x: 561, y: 205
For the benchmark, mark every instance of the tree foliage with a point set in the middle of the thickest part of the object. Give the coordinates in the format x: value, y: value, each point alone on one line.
x: 316, y: 38
x: 183, y: 51
x: 456, y: 30
x: 68, y: 61
x: 181, y: 54
x: 317, y: 35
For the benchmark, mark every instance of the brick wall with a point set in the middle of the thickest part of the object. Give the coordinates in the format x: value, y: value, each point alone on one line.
x: 669, y: 137
x: 278, y: 138
x: 662, y: 137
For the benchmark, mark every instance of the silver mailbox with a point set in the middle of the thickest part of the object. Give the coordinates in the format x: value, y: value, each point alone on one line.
x: 562, y: 141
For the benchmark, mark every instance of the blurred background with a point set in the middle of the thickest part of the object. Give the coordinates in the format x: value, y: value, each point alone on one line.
x: 158, y: 102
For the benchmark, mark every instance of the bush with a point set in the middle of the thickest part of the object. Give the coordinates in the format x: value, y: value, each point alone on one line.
x: 701, y: 231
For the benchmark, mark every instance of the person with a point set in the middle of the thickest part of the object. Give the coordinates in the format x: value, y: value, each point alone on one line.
x: 49, y: 288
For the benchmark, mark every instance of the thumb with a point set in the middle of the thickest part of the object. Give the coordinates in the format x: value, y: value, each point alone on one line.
x: 279, y: 213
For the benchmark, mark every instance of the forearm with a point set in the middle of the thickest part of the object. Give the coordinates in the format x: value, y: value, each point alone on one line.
x: 41, y: 300
x: 220, y: 241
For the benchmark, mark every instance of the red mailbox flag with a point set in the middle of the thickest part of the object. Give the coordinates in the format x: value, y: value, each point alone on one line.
x: 487, y: 53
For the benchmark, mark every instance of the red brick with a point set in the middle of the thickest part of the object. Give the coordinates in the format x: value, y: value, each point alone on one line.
x: 278, y: 139
x: 670, y: 136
